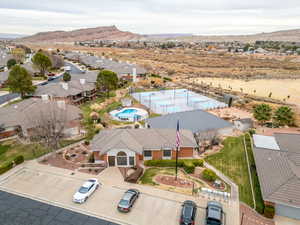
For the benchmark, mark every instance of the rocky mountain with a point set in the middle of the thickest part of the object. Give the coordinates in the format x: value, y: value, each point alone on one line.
x: 89, y: 34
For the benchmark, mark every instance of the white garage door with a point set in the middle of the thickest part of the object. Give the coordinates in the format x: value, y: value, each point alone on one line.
x: 287, y: 211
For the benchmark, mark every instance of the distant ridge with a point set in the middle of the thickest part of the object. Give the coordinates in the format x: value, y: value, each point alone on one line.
x: 88, y: 34
x: 11, y: 36
x: 113, y: 33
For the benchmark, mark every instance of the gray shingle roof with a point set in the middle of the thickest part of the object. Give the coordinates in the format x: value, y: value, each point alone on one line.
x: 139, y: 139
x: 74, y: 87
x: 279, y: 170
x: 22, y: 113
x: 4, y: 76
x: 195, y: 121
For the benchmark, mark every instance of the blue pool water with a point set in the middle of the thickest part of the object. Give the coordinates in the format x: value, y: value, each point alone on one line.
x: 128, y: 114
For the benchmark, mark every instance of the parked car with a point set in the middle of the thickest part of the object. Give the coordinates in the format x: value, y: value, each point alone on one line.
x: 86, y: 190
x: 128, y: 199
x: 188, y: 213
x: 214, y: 213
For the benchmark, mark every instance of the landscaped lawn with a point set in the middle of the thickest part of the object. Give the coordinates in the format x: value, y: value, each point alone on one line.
x: 231, y: 161
x: 147, y: 177
x: 12, y: 148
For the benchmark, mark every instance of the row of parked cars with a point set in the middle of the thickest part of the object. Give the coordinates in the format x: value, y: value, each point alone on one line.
x: 214, y: 210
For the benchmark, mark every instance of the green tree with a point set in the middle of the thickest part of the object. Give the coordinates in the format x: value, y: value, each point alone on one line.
x: 42, y: 62
x: 67, y: 77
x: 107, y: 81
x: 284, y: 115
x: 10, y: 63
x: 20, y: 81
x: 262, y: 113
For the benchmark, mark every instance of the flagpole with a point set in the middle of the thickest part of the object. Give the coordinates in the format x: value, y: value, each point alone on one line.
x: 176, y: 168
x: 177, y: 147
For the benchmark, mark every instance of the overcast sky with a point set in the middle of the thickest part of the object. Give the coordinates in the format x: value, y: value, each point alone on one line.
x: 151, y: 16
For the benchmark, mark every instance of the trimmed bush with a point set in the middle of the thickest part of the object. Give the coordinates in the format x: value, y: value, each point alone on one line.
x: 92, y: 158
x: 209, y: 175
x: 269, y: 211
x: 86, y: 142
x: 188, y: 166
x: 19, y: 159
x: 172, y: 162
x: 6, y: 167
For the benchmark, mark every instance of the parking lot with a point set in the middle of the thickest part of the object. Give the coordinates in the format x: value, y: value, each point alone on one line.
x: 58, y: 189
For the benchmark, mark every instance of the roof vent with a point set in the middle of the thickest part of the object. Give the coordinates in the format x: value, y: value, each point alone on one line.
x: 65, y: 86
x: 82, y: 81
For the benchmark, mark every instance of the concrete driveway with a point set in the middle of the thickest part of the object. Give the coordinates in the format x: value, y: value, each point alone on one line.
x: 57, y: 186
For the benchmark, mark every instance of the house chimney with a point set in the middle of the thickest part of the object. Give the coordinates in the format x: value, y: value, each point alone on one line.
x: 82, y: 81
x: 61, y: 104
x: 45, y: 97
x: 134, y: 75
x: 65, y: 86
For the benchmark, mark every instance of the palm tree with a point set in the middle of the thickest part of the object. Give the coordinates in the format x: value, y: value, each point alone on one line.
x: 262, y: 113
x: 284, y: 115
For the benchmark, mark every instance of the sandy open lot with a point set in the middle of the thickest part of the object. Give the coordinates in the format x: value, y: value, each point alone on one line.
x: 280, y: 88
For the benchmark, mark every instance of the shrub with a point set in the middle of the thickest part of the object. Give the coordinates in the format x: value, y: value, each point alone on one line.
x: 91, y: 158
x: 172, y: 162
x: 269, y: 211
x: 6, y: 167
x: 19, y: 159
x: 86, y: 142
x: 209, y: 175
x: 188, y: 166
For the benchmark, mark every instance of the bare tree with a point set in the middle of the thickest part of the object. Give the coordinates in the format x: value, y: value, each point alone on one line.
x: 48, y: 123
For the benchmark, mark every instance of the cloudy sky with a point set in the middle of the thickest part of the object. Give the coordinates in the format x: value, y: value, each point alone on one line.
x: 151, y: 16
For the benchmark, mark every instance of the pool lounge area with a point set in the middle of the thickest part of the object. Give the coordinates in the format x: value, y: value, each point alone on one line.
x: 129, y: 114
x: 176, y: 100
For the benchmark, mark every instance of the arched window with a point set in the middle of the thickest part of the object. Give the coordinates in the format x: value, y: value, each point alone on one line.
x: 121, y: 154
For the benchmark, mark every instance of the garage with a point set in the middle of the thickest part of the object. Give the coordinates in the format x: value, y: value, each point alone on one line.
x: 287, y: 211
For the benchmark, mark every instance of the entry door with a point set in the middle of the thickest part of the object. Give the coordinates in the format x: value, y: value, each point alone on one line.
x: 111, y: 160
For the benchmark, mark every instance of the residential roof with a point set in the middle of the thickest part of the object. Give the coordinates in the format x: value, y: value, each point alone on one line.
x: 279, y: 171
x: 195, y: 121
x: 138, y: 140
x: 25, y: 112
x: 4, y: 76
x: 64, y: 89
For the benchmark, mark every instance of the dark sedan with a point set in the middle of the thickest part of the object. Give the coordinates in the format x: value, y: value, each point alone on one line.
x: 188, y: 213
x: 128, y: 200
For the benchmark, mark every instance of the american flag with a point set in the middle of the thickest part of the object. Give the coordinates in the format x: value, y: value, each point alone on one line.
x: 177, y: 135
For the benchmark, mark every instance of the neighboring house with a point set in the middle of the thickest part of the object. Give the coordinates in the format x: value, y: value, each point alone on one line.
x: 243, y: 124
x: 124, y: 70
x: 20, y: 118
x: 73, y: 92
x: 3, y: 77
x: 277, y: 161
x: 128, y: 147
x: 203, y: 125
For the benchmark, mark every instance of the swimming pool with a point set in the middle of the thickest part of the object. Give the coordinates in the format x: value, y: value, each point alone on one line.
x: 129, y: 114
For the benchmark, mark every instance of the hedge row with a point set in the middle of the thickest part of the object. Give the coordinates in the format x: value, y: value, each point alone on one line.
x: 7, y: 166
x: 188, y: 164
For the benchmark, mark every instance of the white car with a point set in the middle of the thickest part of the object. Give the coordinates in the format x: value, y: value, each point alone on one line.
x: 86, y: 190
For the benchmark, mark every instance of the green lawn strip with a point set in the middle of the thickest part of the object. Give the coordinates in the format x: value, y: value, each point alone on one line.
x: 256, y: 186
x: 4, y: 89
x: 29, y: 151
x: 150, y: 173
x: 231, y: 161
x: 64, y: 143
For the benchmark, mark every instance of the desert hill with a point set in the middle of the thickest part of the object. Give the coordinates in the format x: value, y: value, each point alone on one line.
x: 98, y: 33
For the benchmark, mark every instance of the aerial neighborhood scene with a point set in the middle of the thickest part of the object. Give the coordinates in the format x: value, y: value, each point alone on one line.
x: 149, y: 112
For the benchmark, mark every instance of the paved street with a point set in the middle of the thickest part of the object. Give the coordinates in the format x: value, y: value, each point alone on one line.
x: 17, y: 210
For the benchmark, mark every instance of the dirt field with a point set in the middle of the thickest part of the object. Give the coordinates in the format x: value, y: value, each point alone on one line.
x: 280, y: 88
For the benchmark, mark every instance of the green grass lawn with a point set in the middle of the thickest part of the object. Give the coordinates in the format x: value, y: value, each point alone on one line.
x: 12, y: 148
x: 256, y: 186
x: 148, y: 175
x: 232, y: 162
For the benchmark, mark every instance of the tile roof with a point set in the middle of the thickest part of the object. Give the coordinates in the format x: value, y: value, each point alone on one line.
x: 139, y: 139
x: 196, y: 121
x: 279, y: 170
